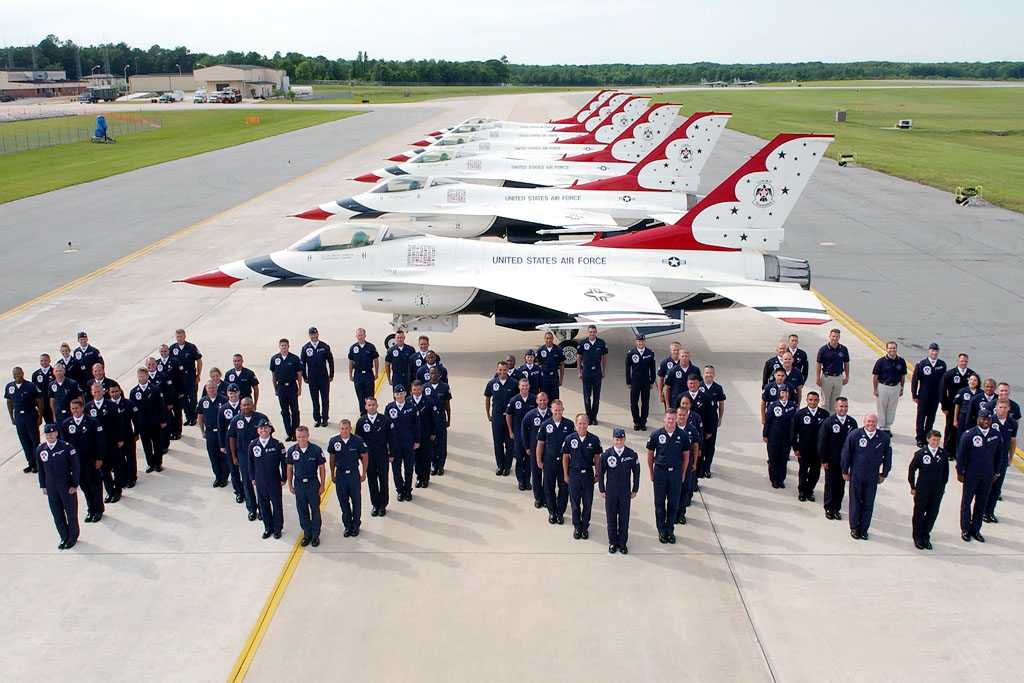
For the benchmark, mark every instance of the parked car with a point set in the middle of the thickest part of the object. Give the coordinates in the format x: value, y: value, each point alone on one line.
x: 214, y: 97
x: 7, y: 97
x: 165, y: 98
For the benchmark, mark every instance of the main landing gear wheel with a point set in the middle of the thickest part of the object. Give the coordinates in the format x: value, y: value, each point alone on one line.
x: 389, y: 341
x: 569, y: 351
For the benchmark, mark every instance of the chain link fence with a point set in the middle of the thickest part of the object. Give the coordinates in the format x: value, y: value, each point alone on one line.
x: 50, y: 132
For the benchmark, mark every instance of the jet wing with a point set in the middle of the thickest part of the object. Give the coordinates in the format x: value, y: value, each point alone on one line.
x: 598, y: 300
x: 558, y: 216
x: 787, y: 302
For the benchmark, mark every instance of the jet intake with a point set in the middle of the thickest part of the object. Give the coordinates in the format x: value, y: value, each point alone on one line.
x: 786, y: 269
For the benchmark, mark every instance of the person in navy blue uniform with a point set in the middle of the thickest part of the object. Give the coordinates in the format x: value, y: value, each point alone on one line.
x: 347, y: 452
x: 398, y: 362
x: 640, y: 377
x: 800, y: 360
x: 669, y: 453
x: 715, y: 397
x: 793, y: 377
x: 246, y: 380
x: 592, y: 355
x: 831, y: 439
x: 372, y: 429
x: 63, y: 390
x: 517, y: 407
x: 286, y: 371
x: 104, y: 412
x: 552, y: 366
x: 363, y: 367
x: 421, y: 357
x: 150, y: 408
x: 778, y: 434
x: 532, y: 421
x: 866, y: 461
x: 403, y: 432
x: 42, y: 378
x: 306, y: 481
x: 431, y: 363
x: 927, y: 474
x: 985, y: 399
x: 25, y: 404
x: 87, y: 438
x: 550, y: 436
x: 268, y: 472
x: 59, y: 475
x: 926, y: 391
x: 318, y: 372
x: 806, y: 426
x: 1003, y: 391
x: 99, y: 376
x: 438, y: 391
x: 185, y: 355
x: 663, y: 369
x: 85, y: 356
x: 497, y: 394
x: 208, y: 418
x: 770, y: 392
x: 963, y: 417
x: 126, y: 435
x: 426, y: 411
x: 175, y: 396
x: 530, y: 370
x: 689, y: 420
x: 580, y: 453
x: 955, y: 379
x: 978, y: 456
x: 228, y: 410
x: 1003, y: 423
x: 832, y: 369
x: 677, y: 378
x: 618, y: 479
x: 773, y: 364
x: 242, y: 430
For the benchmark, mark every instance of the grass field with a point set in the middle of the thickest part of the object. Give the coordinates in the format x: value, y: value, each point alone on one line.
x: 384, y: 94
x: 182, y: 134
x: 961, y: 136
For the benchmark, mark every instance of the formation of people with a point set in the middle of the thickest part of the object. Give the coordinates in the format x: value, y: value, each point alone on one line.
x: 91, y: 428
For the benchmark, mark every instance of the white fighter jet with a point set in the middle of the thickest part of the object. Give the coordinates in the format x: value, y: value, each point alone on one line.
x: 696, y: 138
x: 711, y: 258
x: 649, y: 129
x: 619, y: 111
x: 659, y: 187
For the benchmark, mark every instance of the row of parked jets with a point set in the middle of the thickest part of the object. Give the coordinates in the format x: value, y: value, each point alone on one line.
x: 596, y: 217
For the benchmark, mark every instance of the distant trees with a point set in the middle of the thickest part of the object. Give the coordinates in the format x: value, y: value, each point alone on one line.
x: 77, y: 60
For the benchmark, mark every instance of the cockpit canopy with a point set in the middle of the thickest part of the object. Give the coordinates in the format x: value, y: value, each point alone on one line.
x: 430, y: 157
x: 339, y: 237
x: 409, y: 183
x: 477, y: 120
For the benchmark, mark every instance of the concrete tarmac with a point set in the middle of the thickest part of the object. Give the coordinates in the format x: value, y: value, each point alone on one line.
x: 468, y: 579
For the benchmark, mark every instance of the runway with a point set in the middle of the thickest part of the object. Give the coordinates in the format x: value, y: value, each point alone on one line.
x: 469, y: 580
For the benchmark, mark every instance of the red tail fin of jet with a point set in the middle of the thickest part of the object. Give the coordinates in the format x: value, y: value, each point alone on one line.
x: 584, y: 111
x: 747, y: 210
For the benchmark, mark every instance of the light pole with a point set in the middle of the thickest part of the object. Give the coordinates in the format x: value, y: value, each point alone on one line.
x: 94, y: 69
x: 179, y: 69
x: 126, y: 88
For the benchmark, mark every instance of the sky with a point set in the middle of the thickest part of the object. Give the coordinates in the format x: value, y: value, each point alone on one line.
x: 545, y: 32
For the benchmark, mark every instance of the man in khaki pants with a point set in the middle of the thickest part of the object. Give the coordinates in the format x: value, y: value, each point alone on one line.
x: 832, y: 369
x: 888, y: 376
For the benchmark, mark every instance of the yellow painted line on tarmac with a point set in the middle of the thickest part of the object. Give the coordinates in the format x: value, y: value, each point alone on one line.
x: 252, y: 643
x: 873, y: 341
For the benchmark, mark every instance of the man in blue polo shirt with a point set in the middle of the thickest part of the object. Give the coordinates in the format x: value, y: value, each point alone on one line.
x: 832, y: 368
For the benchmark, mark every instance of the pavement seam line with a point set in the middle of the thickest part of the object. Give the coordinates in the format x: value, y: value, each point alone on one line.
x: 252, y: 643
x: 736, y: 582
x: 872, y: 340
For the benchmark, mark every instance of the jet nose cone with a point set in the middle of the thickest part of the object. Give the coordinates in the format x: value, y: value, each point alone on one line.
x: 367, y: 178
x: 316, y: 214
x: 421, y: 143
x: 211, y: 278
x: 399, y: 158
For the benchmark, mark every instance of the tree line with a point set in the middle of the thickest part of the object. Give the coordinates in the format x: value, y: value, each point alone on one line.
x: 77, y: 61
